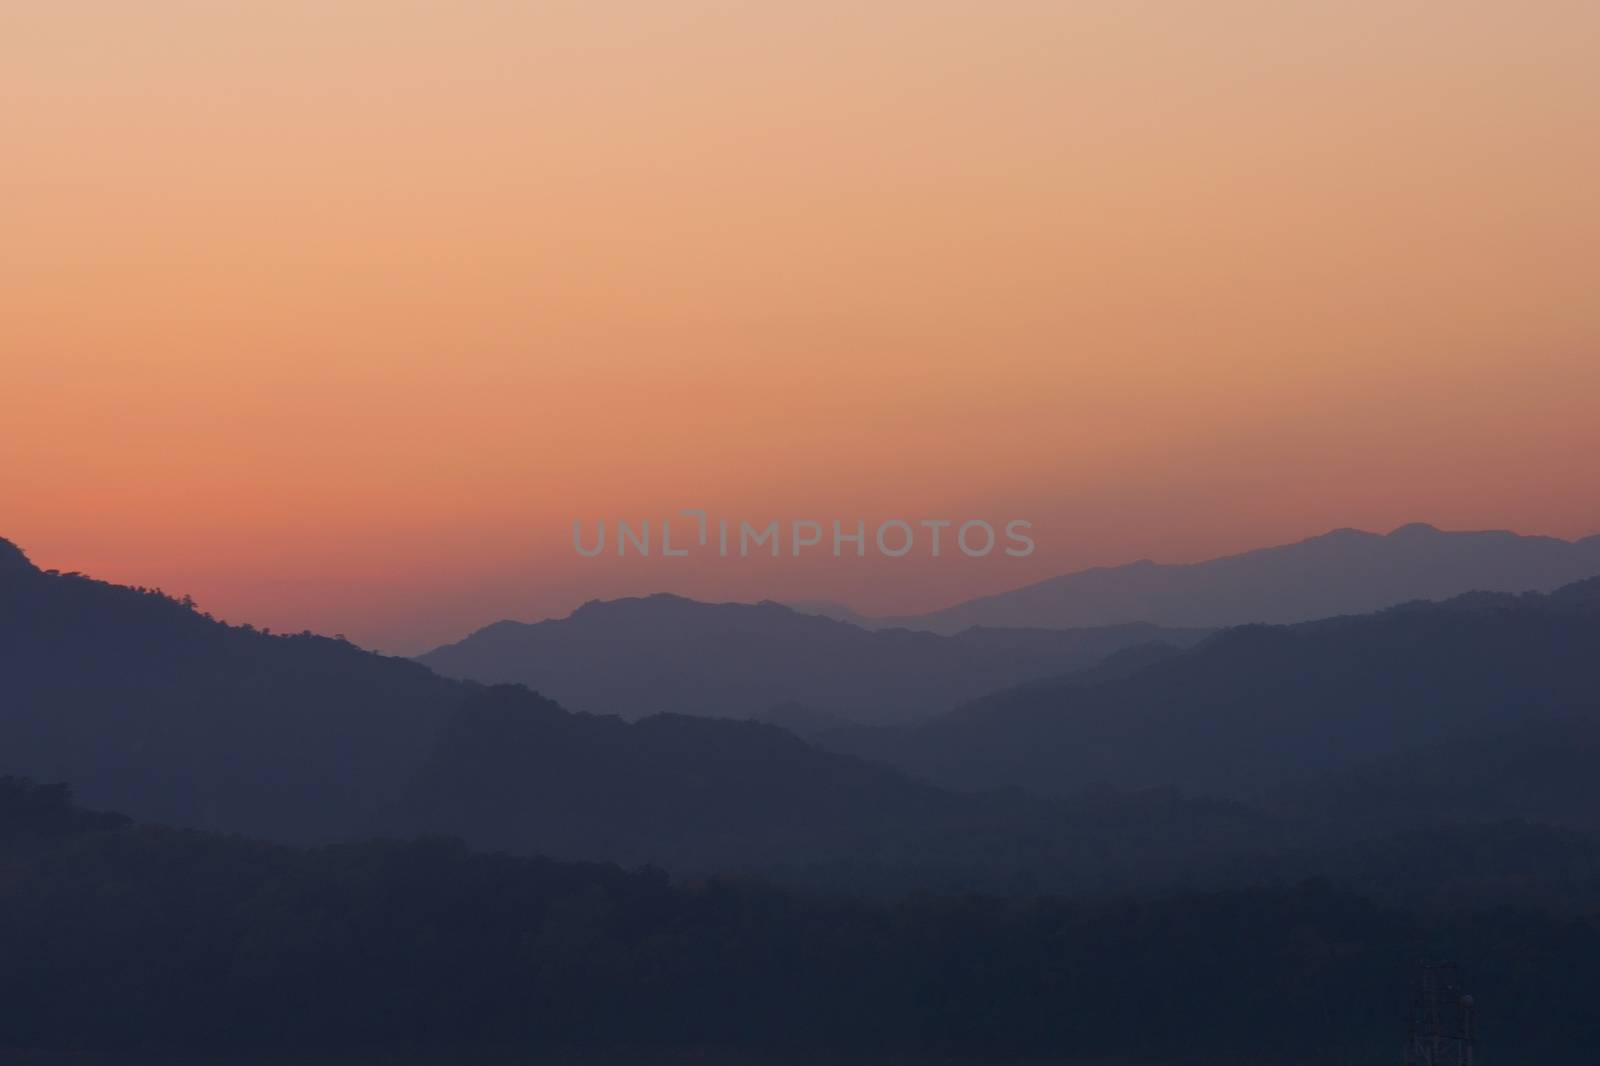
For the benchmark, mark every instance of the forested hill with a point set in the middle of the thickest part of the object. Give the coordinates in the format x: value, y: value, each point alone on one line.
x: 1261, y: 707
x: 149, y: 706
x: 425, y: 952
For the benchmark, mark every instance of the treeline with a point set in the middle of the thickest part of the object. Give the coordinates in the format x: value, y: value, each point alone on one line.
x: 119, y: 937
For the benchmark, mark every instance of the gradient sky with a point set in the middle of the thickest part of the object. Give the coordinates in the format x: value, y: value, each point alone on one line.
x: 336, y: 315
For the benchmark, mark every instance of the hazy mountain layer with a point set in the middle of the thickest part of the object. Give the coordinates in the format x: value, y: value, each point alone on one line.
x: 1263, y: 707
x: 668, y: 654
x: 150, y: 707
x: 1346, y: 571
x: 1316, y: 741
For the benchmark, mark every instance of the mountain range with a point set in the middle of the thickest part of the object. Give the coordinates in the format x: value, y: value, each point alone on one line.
x: 1253, y: 709
x: 1346, y: 571
x: 667, y: 654
x: 150, y: 707
x: 1260, y: 752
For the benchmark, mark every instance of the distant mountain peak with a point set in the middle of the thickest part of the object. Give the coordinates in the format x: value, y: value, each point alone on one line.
x: 654, y: 599
x: 1347, y: 533
x: 1342, y: 571
x: 657, y: 604
x: 653, y: 603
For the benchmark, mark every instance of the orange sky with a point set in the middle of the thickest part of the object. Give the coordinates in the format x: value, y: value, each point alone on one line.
x: 336, y: 315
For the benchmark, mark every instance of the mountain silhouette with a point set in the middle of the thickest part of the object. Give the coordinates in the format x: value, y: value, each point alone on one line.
x: 1263, y: 752
x: 149, y: 707
x: 1258, y: 707
x: 516, y: 772
x: 669, y: 654
x: 1347, y: 571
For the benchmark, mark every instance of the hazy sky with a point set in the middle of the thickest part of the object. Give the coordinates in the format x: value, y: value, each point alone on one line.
x: 337, y: 314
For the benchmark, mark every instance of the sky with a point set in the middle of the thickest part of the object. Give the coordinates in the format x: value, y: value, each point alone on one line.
x: 337, y: 316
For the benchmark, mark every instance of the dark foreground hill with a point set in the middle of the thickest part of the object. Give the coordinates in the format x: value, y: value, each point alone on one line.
x: 148, y: 945
x: 634, y: 657
x: 1347, y: 571
x: 153, y: 708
